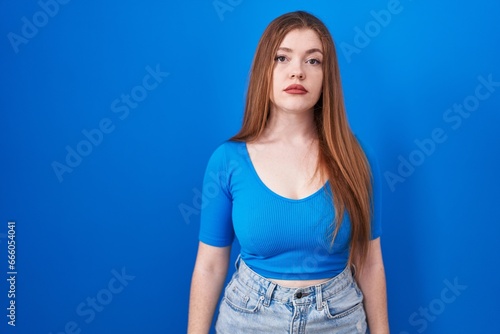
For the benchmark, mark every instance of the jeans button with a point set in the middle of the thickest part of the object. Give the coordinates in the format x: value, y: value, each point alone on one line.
x: 298, y: 295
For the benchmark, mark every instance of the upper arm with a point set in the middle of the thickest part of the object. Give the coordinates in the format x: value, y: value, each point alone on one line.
x: 376, y: 181
x: 216, y: 226
x: 212, y: 258
x: 377, y: 198
x: 374, y: 256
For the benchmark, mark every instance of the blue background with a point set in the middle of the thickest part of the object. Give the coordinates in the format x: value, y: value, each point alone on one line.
x: 119, y: 209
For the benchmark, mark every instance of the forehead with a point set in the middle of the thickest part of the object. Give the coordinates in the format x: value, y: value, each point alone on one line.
x: 301, y: 39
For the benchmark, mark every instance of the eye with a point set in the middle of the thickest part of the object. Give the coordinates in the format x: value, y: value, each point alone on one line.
x: 313, y: 61
x: 280, y: 59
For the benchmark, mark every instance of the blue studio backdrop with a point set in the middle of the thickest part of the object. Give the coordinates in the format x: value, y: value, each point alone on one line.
x: 110, y: 110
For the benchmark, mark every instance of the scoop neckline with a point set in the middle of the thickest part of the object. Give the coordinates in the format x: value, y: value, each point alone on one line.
x: 274, y: 193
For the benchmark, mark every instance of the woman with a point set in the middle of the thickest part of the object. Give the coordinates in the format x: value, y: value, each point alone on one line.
x: 295, y: 187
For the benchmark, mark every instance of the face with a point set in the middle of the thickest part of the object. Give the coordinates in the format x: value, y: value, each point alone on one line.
x: 298, y: 72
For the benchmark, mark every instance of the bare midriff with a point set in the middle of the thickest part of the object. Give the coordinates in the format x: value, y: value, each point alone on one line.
x: 299, y: 283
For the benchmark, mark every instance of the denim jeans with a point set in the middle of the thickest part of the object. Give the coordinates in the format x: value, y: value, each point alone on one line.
x: 254, y: 304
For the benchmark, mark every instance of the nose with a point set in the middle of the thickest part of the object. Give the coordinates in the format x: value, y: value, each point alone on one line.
x: 298, y: 75
x: 297, y: 72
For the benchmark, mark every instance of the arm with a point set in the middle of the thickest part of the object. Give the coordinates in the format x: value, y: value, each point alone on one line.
x: 371, y: 280
x: 208, y: 279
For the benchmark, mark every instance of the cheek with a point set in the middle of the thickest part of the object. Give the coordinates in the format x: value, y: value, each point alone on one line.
x: 276, y: 85
x: 274, y: 91
x: 318, y: 82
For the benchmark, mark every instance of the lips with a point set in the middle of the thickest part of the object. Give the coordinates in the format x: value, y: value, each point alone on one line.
x: 296, y: 89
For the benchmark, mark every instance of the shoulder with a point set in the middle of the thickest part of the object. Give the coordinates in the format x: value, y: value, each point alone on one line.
x: 228, y: 156
x: 229, y: 150
x: 227, y: 161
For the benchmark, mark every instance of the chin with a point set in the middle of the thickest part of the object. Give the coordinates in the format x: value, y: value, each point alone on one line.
x: 294, y: 106
x: 298, y: 108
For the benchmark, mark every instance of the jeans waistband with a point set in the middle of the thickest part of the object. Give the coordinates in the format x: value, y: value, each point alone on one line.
x: 310, y: 294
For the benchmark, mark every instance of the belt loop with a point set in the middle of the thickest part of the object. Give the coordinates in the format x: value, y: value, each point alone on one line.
x: 319, y: 298
x: 237, y: 262
x: 269, y: 293
x: 353, y: 270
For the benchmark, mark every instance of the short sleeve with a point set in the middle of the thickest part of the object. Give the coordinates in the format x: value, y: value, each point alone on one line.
x: 376, y: 222
x: 216, y: 226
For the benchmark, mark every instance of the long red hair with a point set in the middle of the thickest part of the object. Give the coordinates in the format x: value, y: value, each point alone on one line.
x: 340, y: 155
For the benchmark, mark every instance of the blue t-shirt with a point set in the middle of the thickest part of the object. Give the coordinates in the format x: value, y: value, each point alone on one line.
x: 280, y: 238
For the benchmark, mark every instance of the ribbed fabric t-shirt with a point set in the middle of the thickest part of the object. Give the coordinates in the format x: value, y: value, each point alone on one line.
x: 280, y: 238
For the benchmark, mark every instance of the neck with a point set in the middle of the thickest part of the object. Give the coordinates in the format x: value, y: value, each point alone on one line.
x: 291, y: 127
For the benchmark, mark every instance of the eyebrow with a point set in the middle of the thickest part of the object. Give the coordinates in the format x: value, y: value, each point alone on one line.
x: 308, y: 52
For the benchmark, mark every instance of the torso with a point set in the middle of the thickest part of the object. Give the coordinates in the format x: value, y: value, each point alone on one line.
x: 289, y: 171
